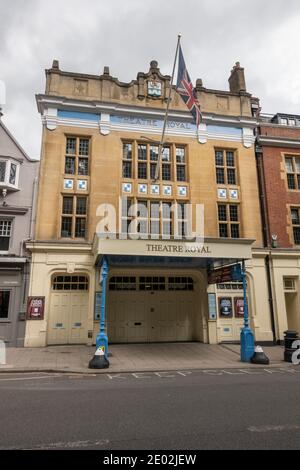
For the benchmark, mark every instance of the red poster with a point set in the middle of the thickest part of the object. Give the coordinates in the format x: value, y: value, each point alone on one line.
x: 239, y: 307
x: 35, y: 308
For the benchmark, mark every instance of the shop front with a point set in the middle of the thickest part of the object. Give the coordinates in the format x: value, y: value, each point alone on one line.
x: 156, y: 291
x: 13, y: 290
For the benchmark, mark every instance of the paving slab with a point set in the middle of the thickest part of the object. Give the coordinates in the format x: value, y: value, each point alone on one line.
x: 134, y: 358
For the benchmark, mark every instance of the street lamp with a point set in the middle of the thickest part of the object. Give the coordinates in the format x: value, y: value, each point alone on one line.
x: 247, y: 337
x: 100, y: 361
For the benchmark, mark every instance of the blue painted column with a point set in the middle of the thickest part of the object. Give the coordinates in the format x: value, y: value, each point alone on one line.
x: 247, y: 337
x: 102, y: 339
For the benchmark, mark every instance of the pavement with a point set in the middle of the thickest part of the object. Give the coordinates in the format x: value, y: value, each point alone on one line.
x: 134, y: 358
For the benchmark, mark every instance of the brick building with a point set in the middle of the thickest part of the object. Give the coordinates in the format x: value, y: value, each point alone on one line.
x: 278, y: 157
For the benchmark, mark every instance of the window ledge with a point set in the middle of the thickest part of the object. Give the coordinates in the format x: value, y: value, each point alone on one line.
x: 13, y: 210
x: 8, y: 187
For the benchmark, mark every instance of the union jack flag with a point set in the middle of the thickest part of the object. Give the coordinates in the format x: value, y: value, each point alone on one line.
x: 186, y: 90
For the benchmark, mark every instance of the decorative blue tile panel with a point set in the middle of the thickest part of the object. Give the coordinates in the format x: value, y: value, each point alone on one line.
x: 167, y: 190
x: 82, y: 185
x: 234, y: 194
x: 126, y: 187
x: 143, y: 189
x: 222, y: 193
x: 68, y: 184
x: 224, y: 130
x: 182, y: 190
x: 78, y: 115
x: 154, y: 189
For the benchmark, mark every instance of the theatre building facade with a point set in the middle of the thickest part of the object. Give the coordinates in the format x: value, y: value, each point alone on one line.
x: 99, y: 155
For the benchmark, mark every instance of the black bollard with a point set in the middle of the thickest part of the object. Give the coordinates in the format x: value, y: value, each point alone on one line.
x: 259, y: 356
x: 289, y: 337
x: 99, y: 361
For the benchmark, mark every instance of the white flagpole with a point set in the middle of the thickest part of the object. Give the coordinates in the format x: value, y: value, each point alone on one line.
x: 160, y: 147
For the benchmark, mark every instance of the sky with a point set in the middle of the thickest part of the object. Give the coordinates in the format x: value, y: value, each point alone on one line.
x: 85, y: 36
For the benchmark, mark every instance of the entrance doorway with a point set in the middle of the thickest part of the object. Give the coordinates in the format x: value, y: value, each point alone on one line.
x: 230, y: 311
x: 292, y: 304
x: 68, y: 310
x: 151, y: 309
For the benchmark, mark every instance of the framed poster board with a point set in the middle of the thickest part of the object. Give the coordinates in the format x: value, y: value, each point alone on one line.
x: 239, y: 307
x: 97, y: 308
x: 225, y: 307
x: 212, y: 307
x: 35, y: 308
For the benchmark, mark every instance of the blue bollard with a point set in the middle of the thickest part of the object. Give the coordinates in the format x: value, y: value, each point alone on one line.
x: 247, y: 344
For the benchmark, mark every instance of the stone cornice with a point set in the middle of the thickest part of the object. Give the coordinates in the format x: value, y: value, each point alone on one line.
x: 63, y: 103
x: 9, y: 260
x: 58, y: 247
x: 273, y: 141
x: 277, y: 252
x: 13, y: 210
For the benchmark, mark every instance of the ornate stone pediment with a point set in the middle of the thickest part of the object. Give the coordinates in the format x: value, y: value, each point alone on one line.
x: 153, y: 84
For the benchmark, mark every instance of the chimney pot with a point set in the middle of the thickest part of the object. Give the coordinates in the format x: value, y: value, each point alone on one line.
x: 55, y: 64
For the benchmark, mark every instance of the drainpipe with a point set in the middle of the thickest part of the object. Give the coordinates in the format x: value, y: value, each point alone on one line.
x: 32, y: 216
x: 22, y: 242
x: 33, y: 208
x: 262, y: 196
x: 266, y: 236
x: 270, y: 298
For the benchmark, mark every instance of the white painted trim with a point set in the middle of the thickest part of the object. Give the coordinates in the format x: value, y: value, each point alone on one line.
x: 50, y: 118
x: 46, y: 102
x: 72, y: 123
x: 239, y: 121
x: 202, y: 133
x: 248, y: 137
x: 278, y: 142
x: 8, y: 162
x: 105, y: 124
x: 105, y: 127
x: 12, y: 260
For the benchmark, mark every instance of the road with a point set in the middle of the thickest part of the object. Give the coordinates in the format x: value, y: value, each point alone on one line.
x: 230, y: 409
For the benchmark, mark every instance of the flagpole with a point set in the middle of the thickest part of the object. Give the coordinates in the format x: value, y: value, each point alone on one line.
x: 160, y: 147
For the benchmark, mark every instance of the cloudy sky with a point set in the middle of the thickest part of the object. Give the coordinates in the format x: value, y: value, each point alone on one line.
x: 126, y: 34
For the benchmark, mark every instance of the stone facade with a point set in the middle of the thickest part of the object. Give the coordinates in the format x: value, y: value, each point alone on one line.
x: 110, y: 114
x: 18, y: 189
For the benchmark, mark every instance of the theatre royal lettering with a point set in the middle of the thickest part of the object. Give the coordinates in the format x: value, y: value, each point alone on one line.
x: 199, y: 249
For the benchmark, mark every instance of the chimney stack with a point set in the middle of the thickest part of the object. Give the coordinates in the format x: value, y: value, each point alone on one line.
x: 55, y: 64
x: 237, y: 83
